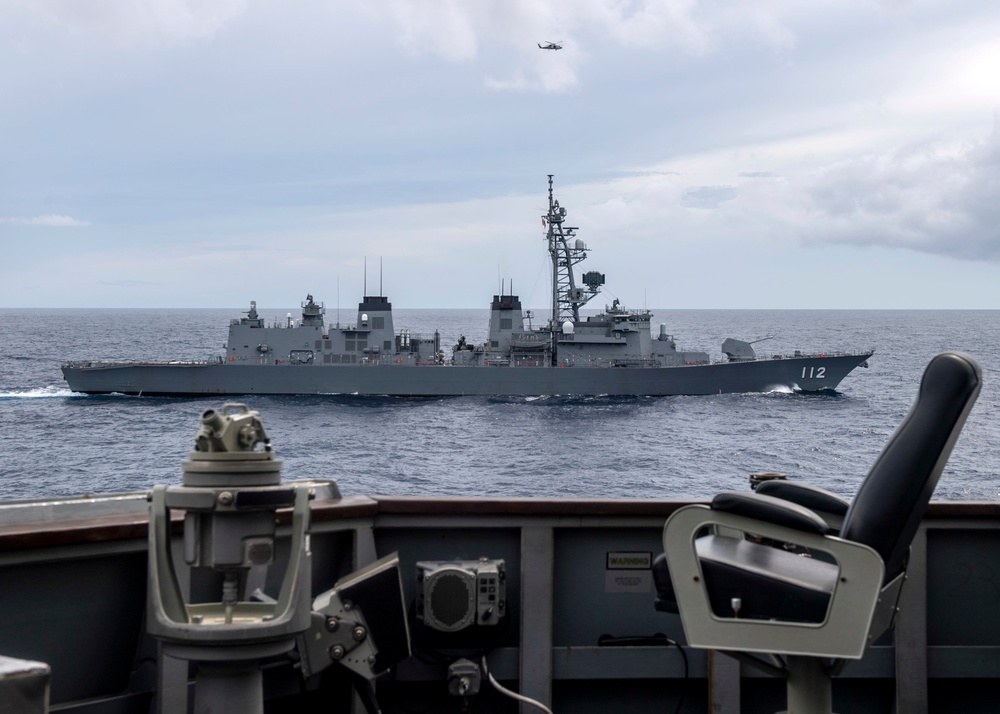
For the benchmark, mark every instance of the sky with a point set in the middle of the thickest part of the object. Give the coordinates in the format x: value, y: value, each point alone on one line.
x: 772, y: 154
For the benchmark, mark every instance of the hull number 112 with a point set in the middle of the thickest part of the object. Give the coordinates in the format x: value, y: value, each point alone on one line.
x: 814, y: 372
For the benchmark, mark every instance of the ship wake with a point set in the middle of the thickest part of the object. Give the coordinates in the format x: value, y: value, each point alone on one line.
x: 40, y: 393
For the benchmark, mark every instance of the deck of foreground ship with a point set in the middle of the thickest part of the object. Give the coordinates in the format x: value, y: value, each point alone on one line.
x: 73, y: 582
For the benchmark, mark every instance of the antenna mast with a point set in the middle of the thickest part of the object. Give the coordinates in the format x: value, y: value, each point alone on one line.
x: 566, y: 296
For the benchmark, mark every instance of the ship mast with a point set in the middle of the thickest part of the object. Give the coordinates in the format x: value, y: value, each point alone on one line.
x: 566, y: 251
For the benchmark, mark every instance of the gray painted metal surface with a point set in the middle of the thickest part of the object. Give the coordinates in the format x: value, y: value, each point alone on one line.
x: 612, y: 353
x: 77, y: 603
x: 447, y: 380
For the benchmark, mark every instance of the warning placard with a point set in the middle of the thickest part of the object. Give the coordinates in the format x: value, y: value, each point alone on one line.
x: 629, y: 571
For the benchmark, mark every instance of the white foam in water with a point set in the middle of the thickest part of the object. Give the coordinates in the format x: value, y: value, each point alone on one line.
x: 42, y: 393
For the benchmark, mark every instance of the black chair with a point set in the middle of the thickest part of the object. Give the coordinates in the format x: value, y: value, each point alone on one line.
x: 735, y: 572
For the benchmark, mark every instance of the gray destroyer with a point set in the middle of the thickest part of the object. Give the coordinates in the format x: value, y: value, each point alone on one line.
x: 612, y: 353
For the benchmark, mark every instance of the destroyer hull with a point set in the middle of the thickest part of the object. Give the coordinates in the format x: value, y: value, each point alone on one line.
x: 808, y: 374
x: 611, y: 353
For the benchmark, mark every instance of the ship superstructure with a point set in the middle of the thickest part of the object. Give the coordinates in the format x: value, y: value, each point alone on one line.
x: 613, y: 352
x: 370, y: 339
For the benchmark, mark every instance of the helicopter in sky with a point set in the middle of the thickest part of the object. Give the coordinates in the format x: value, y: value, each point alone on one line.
x: 550, y: 45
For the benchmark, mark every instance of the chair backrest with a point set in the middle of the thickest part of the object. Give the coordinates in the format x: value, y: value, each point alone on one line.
x: 893, y: 498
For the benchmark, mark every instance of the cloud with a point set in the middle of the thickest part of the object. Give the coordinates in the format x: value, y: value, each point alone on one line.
x: 451, y: 29
x: 707, y: 196
x: 554, y: 76
x: 936, y: 198
x: 930, y: 197
x: 441, y: 28
x: 128, y: 283
x: 770, y: 31
x: 52, y: 220
x: 461, y: 32
x: 142, y: 21
x: 652, y: 23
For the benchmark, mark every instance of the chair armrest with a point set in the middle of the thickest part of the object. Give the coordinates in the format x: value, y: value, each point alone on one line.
x: 844, y: 632
x: 813, y: 498
x: 772, y: 510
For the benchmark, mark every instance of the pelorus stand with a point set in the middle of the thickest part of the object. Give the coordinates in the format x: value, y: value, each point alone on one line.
x: 230, y: 493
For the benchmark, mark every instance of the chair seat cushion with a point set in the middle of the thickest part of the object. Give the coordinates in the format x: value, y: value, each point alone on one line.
x: 666, y: 601
x: 771, y: 583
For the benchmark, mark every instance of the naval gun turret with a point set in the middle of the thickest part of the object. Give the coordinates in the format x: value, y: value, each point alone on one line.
x: 738, y: 350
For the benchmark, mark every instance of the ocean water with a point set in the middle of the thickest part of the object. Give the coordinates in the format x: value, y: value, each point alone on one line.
x: 55, y: 442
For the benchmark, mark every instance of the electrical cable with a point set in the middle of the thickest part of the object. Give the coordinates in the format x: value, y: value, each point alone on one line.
x: 513, y: 695
x: 680, y: 699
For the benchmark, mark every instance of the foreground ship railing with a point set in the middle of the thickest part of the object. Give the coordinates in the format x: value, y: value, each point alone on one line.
x: 72, y: 591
